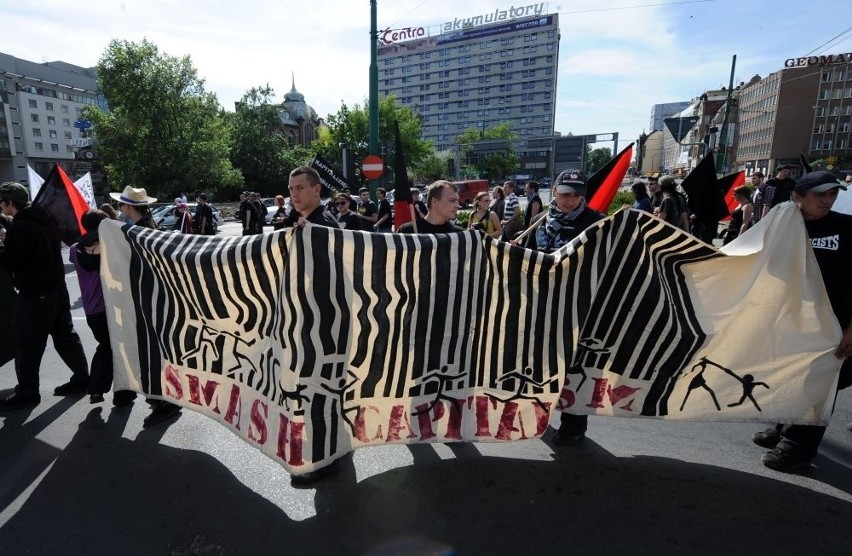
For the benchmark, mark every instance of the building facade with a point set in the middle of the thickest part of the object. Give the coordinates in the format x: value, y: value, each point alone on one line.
x: 39, y: 106
x: 659, y: 112
x: 477, y: 77
x: 803, y: 110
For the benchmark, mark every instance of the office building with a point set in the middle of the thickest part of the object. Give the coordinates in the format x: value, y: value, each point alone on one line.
x: 659, y: 112
x: 476, y: 77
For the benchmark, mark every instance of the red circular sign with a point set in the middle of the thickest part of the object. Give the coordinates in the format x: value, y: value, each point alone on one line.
x: 372, y: 167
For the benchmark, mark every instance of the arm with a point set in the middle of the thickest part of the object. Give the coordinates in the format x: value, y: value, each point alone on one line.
x: 747, y: 210
x: 368, y: 216
x: 768, y: 196
x: 498, y: 229
x: 534, y: 209
x: 844, y: 350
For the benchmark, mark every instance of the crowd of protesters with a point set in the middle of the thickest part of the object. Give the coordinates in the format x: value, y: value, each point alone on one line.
x: 30, y: 262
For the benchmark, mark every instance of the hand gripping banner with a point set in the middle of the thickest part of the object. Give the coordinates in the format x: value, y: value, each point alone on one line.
x: 310, y: 343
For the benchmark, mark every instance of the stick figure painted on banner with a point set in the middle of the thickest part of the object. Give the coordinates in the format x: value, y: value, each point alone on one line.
x: 443, y: 378
x: 341, y: 392
x: 748, y: 387
x: 208, y: 336
x: 698, y: 381
x: 524, y: 380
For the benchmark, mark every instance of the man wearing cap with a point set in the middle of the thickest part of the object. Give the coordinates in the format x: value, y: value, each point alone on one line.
x: 31, y: 254
x: 830, y: 235
x: 566, y: 218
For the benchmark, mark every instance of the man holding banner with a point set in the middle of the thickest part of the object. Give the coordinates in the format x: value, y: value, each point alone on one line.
x: 31, y: 255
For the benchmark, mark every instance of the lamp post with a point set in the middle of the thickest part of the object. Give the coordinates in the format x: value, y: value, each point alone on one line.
x: 641, y: 153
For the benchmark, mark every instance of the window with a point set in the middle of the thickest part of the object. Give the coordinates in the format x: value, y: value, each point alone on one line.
x: 68, y: 135
x: 52, y: 133
x: 48, y: 106
x: 826, y: 76
x: 39, y: 146
x: 36, y: 132
x: 63, y: 108
x: 54, y: 147
x: 51, y: 120
x: 34, y: 118
x: 66, y: 122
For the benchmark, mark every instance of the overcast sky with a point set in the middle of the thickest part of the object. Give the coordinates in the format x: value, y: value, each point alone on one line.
x: 617, y: 57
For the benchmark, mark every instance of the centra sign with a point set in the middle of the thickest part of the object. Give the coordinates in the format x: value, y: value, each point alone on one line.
x: 809, y: 61
x: 390, y: 36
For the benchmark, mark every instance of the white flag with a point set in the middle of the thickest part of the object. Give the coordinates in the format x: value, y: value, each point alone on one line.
x: 35, y: 182
x: 84, y: 185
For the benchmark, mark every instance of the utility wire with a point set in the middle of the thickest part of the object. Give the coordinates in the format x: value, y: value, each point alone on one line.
x: 830, y: 40
x: 637, y: 7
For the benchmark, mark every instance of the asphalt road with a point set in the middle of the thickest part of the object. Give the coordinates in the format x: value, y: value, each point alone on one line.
x: 82, y: 479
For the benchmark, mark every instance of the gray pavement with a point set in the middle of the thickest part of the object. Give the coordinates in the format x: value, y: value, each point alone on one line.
x: 83, y: 479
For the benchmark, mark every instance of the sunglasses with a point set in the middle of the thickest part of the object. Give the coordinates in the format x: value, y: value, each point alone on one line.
x: 341, y: 203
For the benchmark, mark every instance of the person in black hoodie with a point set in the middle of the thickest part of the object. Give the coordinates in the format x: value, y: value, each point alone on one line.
x: 7, y: 303
x: 31, y: 254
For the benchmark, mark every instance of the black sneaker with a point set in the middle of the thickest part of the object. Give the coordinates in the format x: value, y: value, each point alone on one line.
x: 787, y: 460
x: 123, y: 398
x: 96, y: 398
x: 311, y: 477
x: 564, y: 438
x: 72, y: 387
x: 161, y: 413
x: 19, y: 401
x: 768, y: 438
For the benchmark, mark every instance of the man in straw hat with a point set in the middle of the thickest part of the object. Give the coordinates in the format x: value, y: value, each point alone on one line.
x: 31, y: 254
x: 135, y: 204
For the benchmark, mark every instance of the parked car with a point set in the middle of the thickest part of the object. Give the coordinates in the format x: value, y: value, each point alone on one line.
x: 272, y: 207
x: 165, y: 219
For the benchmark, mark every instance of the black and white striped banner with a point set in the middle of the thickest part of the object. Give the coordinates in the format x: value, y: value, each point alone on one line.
x: 313, y: 342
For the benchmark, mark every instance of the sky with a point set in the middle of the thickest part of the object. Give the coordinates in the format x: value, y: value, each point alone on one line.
x: 617, y: 58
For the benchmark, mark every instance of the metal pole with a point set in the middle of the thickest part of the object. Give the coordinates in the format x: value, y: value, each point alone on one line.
x: 723, y: 140
x: 374, y: 91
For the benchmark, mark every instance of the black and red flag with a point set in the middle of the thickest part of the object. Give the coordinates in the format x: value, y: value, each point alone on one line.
x: 705, y: 198
x: 602, y: 186
x: 403, y: 203
x: 806, y: 168
x: 727, y: 184
x: 61, y: 199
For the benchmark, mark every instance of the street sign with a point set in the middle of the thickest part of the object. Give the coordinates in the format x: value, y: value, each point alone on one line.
x: 82, y: 125
x: 372, y: 167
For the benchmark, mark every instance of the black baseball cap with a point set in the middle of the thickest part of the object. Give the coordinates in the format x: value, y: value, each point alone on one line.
x: 818, y: 182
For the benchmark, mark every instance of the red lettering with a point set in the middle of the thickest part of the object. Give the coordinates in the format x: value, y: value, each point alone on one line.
x: 258, y: 422
x: 455, y: 420
x: 424, y: 423
x: 294, y: 446
x: 234, y: 407
x: 598, y: 392
x: 507, y: 422
x: 619, y: 393
x: 542, y: 418
x: 361, y: 425
x: 173, y: 380
x: 483, y: 426
x: 602, y: 387
x: 398, y: 422
x: 195, y: 392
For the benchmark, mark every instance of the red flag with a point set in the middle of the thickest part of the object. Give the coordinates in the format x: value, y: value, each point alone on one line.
x: 603, y: 184
x: 727, y: 184
x: 403, y: 203
x: 61, y: 199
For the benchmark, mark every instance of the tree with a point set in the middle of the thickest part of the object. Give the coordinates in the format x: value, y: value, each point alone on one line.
x: 432, y: 167
x: 489, y: 152
x: 162, y: 132
x: 350, y: 127
x: 597, y: 158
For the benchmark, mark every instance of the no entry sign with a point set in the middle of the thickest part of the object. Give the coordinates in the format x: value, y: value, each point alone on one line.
x: 372, y: 167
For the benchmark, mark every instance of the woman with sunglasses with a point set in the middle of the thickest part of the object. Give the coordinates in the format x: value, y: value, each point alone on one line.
x: 483, y: 218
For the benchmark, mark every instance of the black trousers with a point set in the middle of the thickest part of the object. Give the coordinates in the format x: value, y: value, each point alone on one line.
x: 100, y: 370
x: 808, y: 437
x: 573, y: 424
x: 36, y: 318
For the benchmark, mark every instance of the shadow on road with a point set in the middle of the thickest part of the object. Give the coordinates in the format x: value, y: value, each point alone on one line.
x: 106, y: 494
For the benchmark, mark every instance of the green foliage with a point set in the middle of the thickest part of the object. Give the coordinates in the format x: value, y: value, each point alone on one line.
x: 350, y: 127
x: 621, y: 199
x: 163, y: 131
x: 432, y: 167
x: 597, y: 158
x: 489, y: 164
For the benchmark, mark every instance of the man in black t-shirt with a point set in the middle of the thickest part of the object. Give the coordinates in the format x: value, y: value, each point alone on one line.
x: 830, y: 235
x: 347, y: 219
x: 385, y: 216
x: 443, y: 202
x: 203, y: 220
x: 305, y: 189
x: 367, y: 209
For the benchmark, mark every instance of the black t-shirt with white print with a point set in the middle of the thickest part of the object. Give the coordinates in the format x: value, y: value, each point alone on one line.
x: 831, y: 239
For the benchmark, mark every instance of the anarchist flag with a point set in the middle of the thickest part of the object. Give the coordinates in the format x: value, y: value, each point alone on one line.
x: 403, y: 203
x: 705, y: 198
x: 602, y: 186
x: 329, y: 179
x: 806, y: 168
x: 727, y: 184
x: 61, y: 199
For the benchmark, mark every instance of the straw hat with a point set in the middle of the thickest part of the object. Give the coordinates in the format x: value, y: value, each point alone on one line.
x: 133, y: 196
